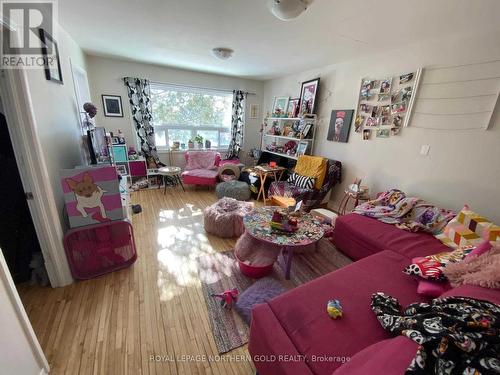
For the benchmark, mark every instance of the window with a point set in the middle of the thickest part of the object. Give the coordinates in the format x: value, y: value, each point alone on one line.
x: 182, y: 113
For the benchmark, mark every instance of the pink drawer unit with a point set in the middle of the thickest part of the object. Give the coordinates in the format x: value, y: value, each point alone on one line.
x: 137, y: 168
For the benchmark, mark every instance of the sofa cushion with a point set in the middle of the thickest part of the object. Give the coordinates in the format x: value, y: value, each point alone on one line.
x: 359, y: 236
x: 302, y: 311
x: 389, y: 357
x: 485, y: 294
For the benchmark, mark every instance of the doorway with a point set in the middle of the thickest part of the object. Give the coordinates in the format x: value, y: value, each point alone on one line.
x: 18, y: 238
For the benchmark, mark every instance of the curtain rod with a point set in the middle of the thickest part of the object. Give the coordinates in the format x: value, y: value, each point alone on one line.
x: 199, y: 87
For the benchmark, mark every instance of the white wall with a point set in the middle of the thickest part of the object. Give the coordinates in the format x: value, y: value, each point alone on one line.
x: 56, y: 119
x: 18, y: 353
x: 56, y: 114
x: 106, y: 77
x: 462, y: 166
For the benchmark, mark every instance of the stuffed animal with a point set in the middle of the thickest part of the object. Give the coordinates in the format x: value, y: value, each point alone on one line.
x: 227, y: 298
x: 334, y: 309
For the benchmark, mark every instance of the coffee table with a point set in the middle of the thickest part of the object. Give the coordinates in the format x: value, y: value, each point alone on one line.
x: 171, y: 176
x: 257, y: 224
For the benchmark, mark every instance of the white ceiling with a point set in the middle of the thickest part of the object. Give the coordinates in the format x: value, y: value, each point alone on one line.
x: 181, y: 33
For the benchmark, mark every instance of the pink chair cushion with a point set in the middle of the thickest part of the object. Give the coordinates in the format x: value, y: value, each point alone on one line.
x: 200, y: 177
x: 202, y: 160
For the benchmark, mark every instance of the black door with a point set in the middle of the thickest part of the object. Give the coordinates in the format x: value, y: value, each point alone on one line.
x: 18, y: 239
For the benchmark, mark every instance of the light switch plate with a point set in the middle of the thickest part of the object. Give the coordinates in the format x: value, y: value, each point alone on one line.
x: 424, y: 150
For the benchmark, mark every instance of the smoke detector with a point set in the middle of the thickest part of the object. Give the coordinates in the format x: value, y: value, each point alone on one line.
x: 222, y: 53
x: 286, y: 10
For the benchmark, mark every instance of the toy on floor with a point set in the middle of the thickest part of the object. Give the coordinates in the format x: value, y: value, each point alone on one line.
x: 334, y: 309
x: 227, y: 297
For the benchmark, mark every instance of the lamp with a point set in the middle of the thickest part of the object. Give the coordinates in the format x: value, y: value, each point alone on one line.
x: 222, y: 53
x: 286, y: 10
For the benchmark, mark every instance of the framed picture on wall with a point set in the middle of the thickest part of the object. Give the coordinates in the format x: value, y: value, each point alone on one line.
x: 112, y: 105
x: 50, y: 52
x: 308, y: 94
x: 340, y: 125
x: 254, y: 110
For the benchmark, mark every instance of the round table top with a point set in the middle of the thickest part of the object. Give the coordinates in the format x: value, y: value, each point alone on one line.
x: 257, y: 224
x: 169, y: 170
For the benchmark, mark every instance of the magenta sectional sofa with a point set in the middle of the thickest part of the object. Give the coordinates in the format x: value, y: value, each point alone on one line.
x: 292, y: 333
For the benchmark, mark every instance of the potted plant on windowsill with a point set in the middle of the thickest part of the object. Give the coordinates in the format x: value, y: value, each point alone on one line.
x: 199, y: 141
x: 190, y: 144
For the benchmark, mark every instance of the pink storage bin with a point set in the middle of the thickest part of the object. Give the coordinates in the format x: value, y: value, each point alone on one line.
x: 101, y: 248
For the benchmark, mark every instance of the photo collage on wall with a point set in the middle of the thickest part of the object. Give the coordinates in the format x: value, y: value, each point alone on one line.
x: 383, y: 105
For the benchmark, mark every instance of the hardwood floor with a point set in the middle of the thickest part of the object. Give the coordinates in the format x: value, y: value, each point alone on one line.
x: 115, y: 323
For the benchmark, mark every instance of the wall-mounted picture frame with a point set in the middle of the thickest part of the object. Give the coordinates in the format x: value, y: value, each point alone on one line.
x: 302, y: 148
x: 293, y: 107
x: 340, y: 125
x: 308, y: 94
x: 254, y: 111
x: 51, y: 60
x: 112, y: 105
x: 280, y: 106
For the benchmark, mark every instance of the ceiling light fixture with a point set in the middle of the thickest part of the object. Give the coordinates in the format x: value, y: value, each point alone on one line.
x: 222, y: 53
x: 287, y: 10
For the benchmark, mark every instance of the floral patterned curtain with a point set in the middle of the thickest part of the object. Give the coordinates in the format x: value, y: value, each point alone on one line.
x: 139, y: 95
x: 237, y: 124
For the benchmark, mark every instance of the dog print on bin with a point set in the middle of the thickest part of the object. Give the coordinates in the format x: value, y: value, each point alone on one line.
x: 87, y: 194
x: 92, y: 195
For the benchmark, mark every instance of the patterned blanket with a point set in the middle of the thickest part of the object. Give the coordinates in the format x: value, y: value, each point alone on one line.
x: 457, y: 335
x: 408, y: 213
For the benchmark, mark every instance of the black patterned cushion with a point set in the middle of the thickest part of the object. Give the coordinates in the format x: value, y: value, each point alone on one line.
x: 301, y: 181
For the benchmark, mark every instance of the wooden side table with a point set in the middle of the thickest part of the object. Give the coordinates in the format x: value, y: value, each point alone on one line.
x: 348, y: 195
x: 264, y: 172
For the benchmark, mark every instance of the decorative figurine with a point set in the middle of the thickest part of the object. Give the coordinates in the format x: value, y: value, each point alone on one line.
x: 334, y: 309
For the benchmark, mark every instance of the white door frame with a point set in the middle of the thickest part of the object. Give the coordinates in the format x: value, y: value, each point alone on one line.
x: 30, y: 159
x: 22, y: 316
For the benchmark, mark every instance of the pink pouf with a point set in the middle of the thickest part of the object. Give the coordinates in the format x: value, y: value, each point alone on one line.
x: 255, y: 258
x: 225, y: 217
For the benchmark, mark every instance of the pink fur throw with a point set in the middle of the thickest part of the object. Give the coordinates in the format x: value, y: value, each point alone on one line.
x: 201, y: 160
x: 225, y: 217
x: 483, y: 270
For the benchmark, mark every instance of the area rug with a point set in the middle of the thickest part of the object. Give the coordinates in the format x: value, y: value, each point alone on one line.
x: 219, y: 272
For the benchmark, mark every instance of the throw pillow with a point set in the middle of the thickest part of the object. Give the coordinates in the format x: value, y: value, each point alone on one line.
x: 304, y: 182
x: 312, y: 166
x: 431, y: 267
x: 432, y: 289
x: 483, y: 247
x: 259, y: 292
x: 468, y: 229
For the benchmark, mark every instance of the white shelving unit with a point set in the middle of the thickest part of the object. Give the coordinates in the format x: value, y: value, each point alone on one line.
x: 280, y: 140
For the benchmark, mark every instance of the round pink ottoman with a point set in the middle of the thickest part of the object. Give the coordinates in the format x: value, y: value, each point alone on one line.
x: 225, y: 217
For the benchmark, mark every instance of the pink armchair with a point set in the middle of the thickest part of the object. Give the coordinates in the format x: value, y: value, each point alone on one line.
x: 201, y: 168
